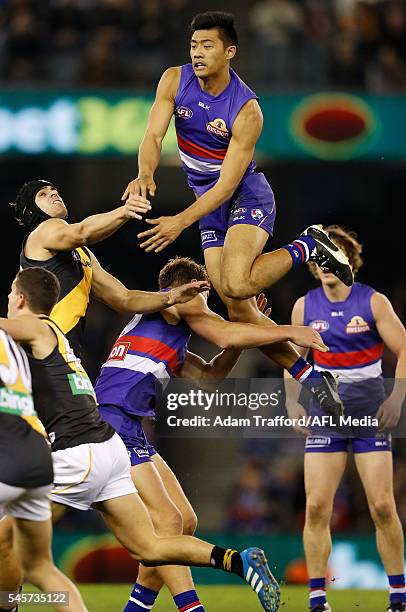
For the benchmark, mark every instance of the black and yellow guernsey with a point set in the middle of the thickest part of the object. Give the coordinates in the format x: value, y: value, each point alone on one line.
x: 74, y: 272
x: 64, y: 397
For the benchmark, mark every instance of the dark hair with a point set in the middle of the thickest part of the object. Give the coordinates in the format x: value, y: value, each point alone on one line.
x: 224, y: 22
x: 40, y: 288
x: 181, y: 270
x: 348, y: 242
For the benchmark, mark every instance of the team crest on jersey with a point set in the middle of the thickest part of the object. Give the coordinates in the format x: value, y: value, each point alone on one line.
x: 119, y: 351
x: 319, y: 325
x: 218, y: 127
x: 357, y: 325
x: 183, y: 112
x: 257, y: 214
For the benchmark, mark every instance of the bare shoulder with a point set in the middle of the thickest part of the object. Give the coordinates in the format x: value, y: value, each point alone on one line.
x: 249, y: 121
x: 380, y: 304
x: 251, y: 111
x: 298, y: 311
x: 35, y: 246
x: 169, y: 82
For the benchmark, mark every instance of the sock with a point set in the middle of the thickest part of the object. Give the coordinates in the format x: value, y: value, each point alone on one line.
x: 317, y: 592
x: 228, y: 560
x: 188, y: 601
x: 300, y: 249
x: 141, y: 599
x: 397, y: 590
x: 305, y: 373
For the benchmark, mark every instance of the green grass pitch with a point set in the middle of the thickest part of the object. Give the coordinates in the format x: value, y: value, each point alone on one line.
x: 112, y: 598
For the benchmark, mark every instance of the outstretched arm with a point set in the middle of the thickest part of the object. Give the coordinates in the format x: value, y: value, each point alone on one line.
x: 58, y: 235
x: 108, y: 289
x: 246, y: 131
x: 393, y: 333
x: 158, y: 122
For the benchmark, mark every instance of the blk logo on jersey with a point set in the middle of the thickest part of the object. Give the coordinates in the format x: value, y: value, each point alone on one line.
x: 183, y: 112
x: 357, y: 325
x: 319, y: 325
x: 218, y: 128
x: 119, y: 351
x: 205, y: 106
x: 257, y: 214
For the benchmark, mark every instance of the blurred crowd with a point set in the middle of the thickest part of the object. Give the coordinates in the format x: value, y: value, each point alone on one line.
x: 358, y: 44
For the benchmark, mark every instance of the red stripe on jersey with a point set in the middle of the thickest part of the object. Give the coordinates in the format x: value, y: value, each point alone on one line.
x: 152, y: 347
x: 189, y: 606
x: 191, y: 147
x: 353, y: 358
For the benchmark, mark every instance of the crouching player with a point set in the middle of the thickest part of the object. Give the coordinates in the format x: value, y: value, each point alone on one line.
x: 356, y: 322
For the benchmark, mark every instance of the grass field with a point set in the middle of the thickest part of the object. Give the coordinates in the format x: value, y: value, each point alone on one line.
x: 111, y: 598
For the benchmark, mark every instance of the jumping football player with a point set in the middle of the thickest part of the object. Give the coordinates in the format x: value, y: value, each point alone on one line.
x: 356, y: 322
x: 150, y: 349
x: 218, y: 122
x: 60, y: 247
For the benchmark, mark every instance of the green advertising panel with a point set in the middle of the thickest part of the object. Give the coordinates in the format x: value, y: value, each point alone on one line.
x: 325, y: 126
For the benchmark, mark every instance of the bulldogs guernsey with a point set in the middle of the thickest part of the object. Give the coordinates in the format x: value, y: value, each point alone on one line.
x: 348, y: 328
x: 147, y: 352
x: 204, y: 126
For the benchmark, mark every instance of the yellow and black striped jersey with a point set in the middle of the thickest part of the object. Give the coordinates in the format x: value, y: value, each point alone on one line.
x: 74, y: 272
x: 65, y: 398
x: 16, y: 384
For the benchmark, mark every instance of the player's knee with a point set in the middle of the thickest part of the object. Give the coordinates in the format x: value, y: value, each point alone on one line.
x: 168, y: 521
x: 236, y: 288
x: 189, y: 523
x: 35, y: 569
x: 382, y: 510
x: 317, y: 511
x: 150, y: 554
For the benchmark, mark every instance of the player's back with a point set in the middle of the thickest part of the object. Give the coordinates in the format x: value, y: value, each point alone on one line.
x: 349, y: 330
x: 141, y: 361
x: 204, y: 126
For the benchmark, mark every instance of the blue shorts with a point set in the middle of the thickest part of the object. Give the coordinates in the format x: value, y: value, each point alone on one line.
x: 252, y: 203
x: 328, y: 444
x: 130, y: 430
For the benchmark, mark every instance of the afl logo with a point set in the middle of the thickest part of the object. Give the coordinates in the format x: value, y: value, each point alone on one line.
x: 357, y: 325
x: 183, y: 112
x: 218, y: 127
x: 320, y: 325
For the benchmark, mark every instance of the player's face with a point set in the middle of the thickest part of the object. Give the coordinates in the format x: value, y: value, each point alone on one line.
x: 14, y: 300
x: 208, y: 54
x: 49, y: 200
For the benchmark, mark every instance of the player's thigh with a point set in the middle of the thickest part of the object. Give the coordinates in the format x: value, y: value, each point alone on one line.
x: 165, y: 515
x: 6, y: 535
x: 322, y: 474
x: 177, y: 494
x: 376, y: 472
x: 242, y: 246
x: 128, y: 518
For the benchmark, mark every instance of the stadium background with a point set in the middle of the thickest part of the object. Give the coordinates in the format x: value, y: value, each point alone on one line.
x: 77, y: 78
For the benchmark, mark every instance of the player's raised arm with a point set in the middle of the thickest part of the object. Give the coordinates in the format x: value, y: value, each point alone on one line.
x: 158, y: 122
x: 393, y: 334
x: 226, y: 335
x: 246, y: 131
x: 108, y: 289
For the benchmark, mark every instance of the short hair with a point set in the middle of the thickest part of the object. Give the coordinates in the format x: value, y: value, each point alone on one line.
x: 181, y: 270
x: 40, y: 287
x: 348, y: 241
x: 224, y: 22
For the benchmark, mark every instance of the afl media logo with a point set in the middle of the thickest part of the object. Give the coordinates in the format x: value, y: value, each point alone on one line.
x: 183, y: 112
x: 320, y: 325
x: 218, y: 127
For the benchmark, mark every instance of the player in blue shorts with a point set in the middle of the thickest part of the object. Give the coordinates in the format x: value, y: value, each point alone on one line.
x: 356, y: 322
x: 218, y: 121
x: 150, y: 349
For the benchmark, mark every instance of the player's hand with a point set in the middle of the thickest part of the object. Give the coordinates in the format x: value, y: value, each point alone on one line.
x: 389, y: 413
x: 135, y: 206
x: 262, y: 302
x: 296, y: 411
x: 165, y: 231
x: 185, y: 293
x: 308, y: 338
x: 142, y: 185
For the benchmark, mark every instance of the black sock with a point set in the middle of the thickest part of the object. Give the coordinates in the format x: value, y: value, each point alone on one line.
x: 228, y: 560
